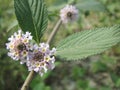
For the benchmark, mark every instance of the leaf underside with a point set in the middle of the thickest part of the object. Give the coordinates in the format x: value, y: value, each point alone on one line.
x: 32, y: 16
x: 89, y: 42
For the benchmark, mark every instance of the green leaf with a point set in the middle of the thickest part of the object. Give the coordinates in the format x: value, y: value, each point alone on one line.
x: 90, y: 5
x: 32, y: 16
x: 88, y: 42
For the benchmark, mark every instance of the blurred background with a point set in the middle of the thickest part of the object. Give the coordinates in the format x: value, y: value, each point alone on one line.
x: 99, y: 72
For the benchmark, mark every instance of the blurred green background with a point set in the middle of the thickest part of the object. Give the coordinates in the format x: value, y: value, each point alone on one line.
x: 100, y: 72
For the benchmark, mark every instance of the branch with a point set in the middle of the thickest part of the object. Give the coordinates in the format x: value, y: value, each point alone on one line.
x: 27, y: 81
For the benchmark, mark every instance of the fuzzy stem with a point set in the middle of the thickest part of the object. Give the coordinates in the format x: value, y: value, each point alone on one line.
x: 31, y: 74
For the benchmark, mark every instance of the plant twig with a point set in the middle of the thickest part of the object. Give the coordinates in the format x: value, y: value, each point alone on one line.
x: 27, y: 81
x: 56, y: 28
x: 31, y: 74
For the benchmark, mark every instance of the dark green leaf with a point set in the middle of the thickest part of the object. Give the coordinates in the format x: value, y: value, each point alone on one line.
x: 32, y: 16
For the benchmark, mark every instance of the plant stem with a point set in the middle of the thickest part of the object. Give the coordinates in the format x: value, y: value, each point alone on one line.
x: 31, y: 74
x: 56, y: 28
x: 27, y: 81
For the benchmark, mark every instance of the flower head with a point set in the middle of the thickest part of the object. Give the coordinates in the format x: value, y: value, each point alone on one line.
x: 69, y: 14
x: 19, y: 45
x: 41, y: 58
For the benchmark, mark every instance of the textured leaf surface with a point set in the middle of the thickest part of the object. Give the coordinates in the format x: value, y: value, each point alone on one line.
x: 88, y: 42
x: 90, y: 5
x: 32, y: 16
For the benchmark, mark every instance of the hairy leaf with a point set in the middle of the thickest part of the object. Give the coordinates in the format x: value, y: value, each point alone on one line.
x: 88, y: 42
x: 90, y: 5
x: 32, y: 16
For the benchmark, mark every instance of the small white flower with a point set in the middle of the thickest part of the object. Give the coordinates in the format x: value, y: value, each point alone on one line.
x: 19, y: 46
x: 53, y: 51
x: 41, y: 59
x: 69, y: 14
x: 28, y: 35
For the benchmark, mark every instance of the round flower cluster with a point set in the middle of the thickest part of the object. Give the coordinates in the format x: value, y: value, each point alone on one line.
x: 37, y: 57
x: 19, y: 46
x: 41, y: 58
x: 69, y: 14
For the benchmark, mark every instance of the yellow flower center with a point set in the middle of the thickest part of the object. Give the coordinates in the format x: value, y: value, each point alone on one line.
x: 11, y: 46
x: 24, y: 53
x: 18, y: 36
x: 25, y: 41
x: 47, y: 58
x: 43, y: 50
x: 37, y: 64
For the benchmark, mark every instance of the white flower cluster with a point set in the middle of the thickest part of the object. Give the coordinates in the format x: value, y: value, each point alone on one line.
x: 69, y: 14
x: 19, y: 46
x: 37, y: 57
x: 41, y: 59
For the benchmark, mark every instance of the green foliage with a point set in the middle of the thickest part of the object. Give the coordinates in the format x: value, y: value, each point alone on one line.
x: 118, y: 83
x: 82, y: 5
x: 32, y: 16
x: 90, y: 5
x: 38, y: 84
x: 13, y: 74
x: 78, y: 72
x: 98, y: 67
x: 41, y: 86
x: 115, y: 78
x: 88, y: 42
x: 82, y: 84
x: 57, y: 5
x: 105, y: 88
